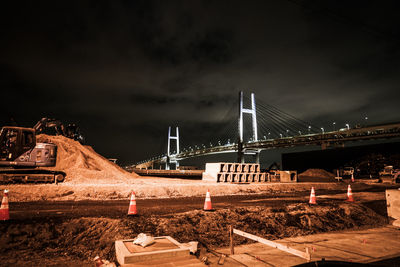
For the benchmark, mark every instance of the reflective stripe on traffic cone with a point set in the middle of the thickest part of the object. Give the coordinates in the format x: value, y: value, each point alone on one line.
x: 313, y: 199
x: 207, y: 203
x: 4, y: 212
x: 132, y: 205
x: 349, y: 194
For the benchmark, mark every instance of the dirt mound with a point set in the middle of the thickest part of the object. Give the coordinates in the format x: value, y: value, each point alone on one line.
x: 84, y: 238
x: 82, y: 164
x: 316, y: 175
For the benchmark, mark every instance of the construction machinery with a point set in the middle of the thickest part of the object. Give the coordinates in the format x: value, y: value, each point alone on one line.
x: 348, y: 172
x: 389, y: 175
x: 22, y: 159
x: 45, y: 125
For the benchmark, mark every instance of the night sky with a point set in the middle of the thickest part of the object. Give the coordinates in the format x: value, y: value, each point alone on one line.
x: 124, y: 71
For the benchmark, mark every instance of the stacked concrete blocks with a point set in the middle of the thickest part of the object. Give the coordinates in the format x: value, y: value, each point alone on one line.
x: 223, y: 172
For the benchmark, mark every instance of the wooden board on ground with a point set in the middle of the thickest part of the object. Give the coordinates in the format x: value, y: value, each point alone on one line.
x: 187, y: 261
x: 248, y: 260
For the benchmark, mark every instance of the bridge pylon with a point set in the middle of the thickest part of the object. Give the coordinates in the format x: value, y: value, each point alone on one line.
x: 252, y: 112
x: 171, y: 157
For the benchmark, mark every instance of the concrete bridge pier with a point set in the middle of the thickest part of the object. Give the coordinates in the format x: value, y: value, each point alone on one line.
x: 171, y: 161
x: 257, y: 157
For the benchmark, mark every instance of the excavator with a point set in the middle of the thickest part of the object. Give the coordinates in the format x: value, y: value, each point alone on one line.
x: 71, y: 130
x: 22, y: 159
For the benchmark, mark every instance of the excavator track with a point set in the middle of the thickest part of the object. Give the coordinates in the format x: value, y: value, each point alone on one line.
x: 31, y: 176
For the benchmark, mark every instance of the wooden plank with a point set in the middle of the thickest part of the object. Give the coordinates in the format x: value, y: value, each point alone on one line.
x: 305, y: 255
x: 231, y: 240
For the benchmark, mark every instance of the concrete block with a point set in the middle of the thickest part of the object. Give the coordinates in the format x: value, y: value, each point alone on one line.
x: 224, y: 167
x: 254, y: 168
x: 245, y: 178
x: 221, y: 177
x: 208, y: 177
x: 288, y: 176
x: 165, y: 247
x: 229, y: 178
x: 231, y: 167
x: 262, y: 177
x: 238, y: 167
x: 245, y: 167
x: 393, y: 205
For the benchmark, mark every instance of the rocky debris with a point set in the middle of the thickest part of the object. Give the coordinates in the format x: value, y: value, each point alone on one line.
x: 316, y: 175
x: 82, y: 164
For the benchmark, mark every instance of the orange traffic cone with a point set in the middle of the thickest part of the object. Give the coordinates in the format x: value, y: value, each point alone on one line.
x: 207, y: 203
x: 4, y: 213
x: 313, y: 199
x: 349, y: 194
x: 352, y: 178
x: 132, y: 205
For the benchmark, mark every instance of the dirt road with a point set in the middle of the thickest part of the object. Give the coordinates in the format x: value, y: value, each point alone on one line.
x: 118, y: 209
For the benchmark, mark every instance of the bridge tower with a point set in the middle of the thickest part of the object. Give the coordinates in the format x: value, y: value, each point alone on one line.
x: 171, y: 157
x: 252, y: 112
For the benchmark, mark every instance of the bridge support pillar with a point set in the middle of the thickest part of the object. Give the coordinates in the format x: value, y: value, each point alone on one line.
x: 257, y: 157
x: 252, y: 112
x: 174, y: 160
x: 325, y: 145
x: 167, y: 167
x: 240, y: 153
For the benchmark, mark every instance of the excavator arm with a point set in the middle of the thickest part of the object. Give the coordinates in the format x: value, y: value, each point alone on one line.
x: 71, y: 130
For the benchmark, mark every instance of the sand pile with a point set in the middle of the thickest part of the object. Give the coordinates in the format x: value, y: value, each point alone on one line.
x: 82, y: 164
x: 316, y: 175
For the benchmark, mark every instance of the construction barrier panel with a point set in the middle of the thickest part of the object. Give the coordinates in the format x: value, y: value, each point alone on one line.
x: 393, y: 205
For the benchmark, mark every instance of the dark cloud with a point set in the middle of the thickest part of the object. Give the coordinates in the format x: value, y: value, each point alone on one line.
x: 203, y: 101
x: 126, y: 70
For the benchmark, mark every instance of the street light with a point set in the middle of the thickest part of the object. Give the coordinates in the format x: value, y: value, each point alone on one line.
x: 347, y: 126
x: 287, y: 133
x: 280, y: 135
x: 334, y: 124
x: 309, y: 129
x: 322, y: 129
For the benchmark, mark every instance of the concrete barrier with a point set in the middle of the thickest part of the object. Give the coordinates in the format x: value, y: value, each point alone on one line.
x: 393, y: 205
x: 288, y: 176
x: 233, y: 172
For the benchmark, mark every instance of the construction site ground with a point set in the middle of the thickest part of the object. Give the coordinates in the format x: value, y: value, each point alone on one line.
x: 66, y: 223
x: 377, y: 247
x: 158, y: 187
x: 70, y: 223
